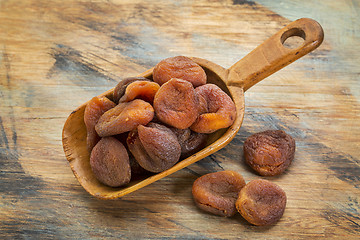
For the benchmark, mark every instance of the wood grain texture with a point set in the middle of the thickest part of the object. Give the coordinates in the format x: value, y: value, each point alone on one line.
x: 56, y: 55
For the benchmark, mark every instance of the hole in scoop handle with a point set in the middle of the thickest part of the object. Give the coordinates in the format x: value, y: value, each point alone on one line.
x: 272, y: 55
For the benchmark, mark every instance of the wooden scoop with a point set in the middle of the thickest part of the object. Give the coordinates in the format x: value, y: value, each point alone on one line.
x: 266, y: 59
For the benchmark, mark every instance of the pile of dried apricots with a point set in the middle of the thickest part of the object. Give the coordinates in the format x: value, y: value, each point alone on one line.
x: 150, y: 124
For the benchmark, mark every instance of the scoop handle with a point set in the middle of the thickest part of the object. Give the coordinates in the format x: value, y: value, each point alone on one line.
x: 272, y: 55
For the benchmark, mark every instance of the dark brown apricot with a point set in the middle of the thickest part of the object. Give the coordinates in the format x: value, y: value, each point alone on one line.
x: 261, y: 202
x: 144, y: 90
x: 109, y: 162
x: 217, y: 192
x: 124, y: 117
x: 190, y: 142
x: 161, y: 145
x: 96, y: 107
x: 270, y: 152
x: 136, y: 148
x: 216, y: 109
x: 154, y: 147
x: 120, y: 88
x: 179, y: 67
x: 175, y: 103
x: 137, y: 172
x: 122, y: 137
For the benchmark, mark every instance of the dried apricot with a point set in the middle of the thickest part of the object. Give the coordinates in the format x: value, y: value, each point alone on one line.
x: 175, y: 103
x: 109, y: 162
x: 136, y: 148
x: 217, y: 192
x: 137, y: 171
x: 154, y: 147
x: 179, y: 67
x: 124, y: 117
x: 96, y: 107
x: 270, y: 152
x: 144, y: 90
x: 216, y: 109
x: 261, y: 202
x: 120, y: 88
x: 190, y: 142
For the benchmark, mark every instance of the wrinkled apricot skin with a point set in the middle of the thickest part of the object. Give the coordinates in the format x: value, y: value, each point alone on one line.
x: 120, y: 88
x: 155, y: 148
x: 216, y: 109
x: 190, y: 142
x: 96, y: 107
x: 144, y: 90
x: 179, y: 67
x: 217, y: 192
x: 261, y: 202
x: 175, y: 103
x: 124, y: 117
x: 269, y: 153
x: 109, y: 162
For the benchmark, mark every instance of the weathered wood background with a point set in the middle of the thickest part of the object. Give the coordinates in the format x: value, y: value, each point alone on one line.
x: 56, y: 55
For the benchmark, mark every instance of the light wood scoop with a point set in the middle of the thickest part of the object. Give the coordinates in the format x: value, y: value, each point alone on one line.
x: 266, y: 59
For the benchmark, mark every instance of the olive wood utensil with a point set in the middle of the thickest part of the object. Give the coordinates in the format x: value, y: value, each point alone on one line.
x: 264, y: 60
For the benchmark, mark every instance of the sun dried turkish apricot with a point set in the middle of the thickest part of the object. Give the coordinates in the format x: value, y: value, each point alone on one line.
x: 175, y: 103
x: 120, y: 88
x: 124, y: 117
x: 270, y: 152
x: 96, y: 107
x: 109, y: 162
x: 216, y: 109
x: 217, y: 192
x: 144, y: 90
x: 261, y: 202
x: 179, y: 67
x: 155, y: 147
x: 190, y: 142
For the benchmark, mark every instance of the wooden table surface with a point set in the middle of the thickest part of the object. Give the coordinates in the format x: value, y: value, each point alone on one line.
x: 56, y: 55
